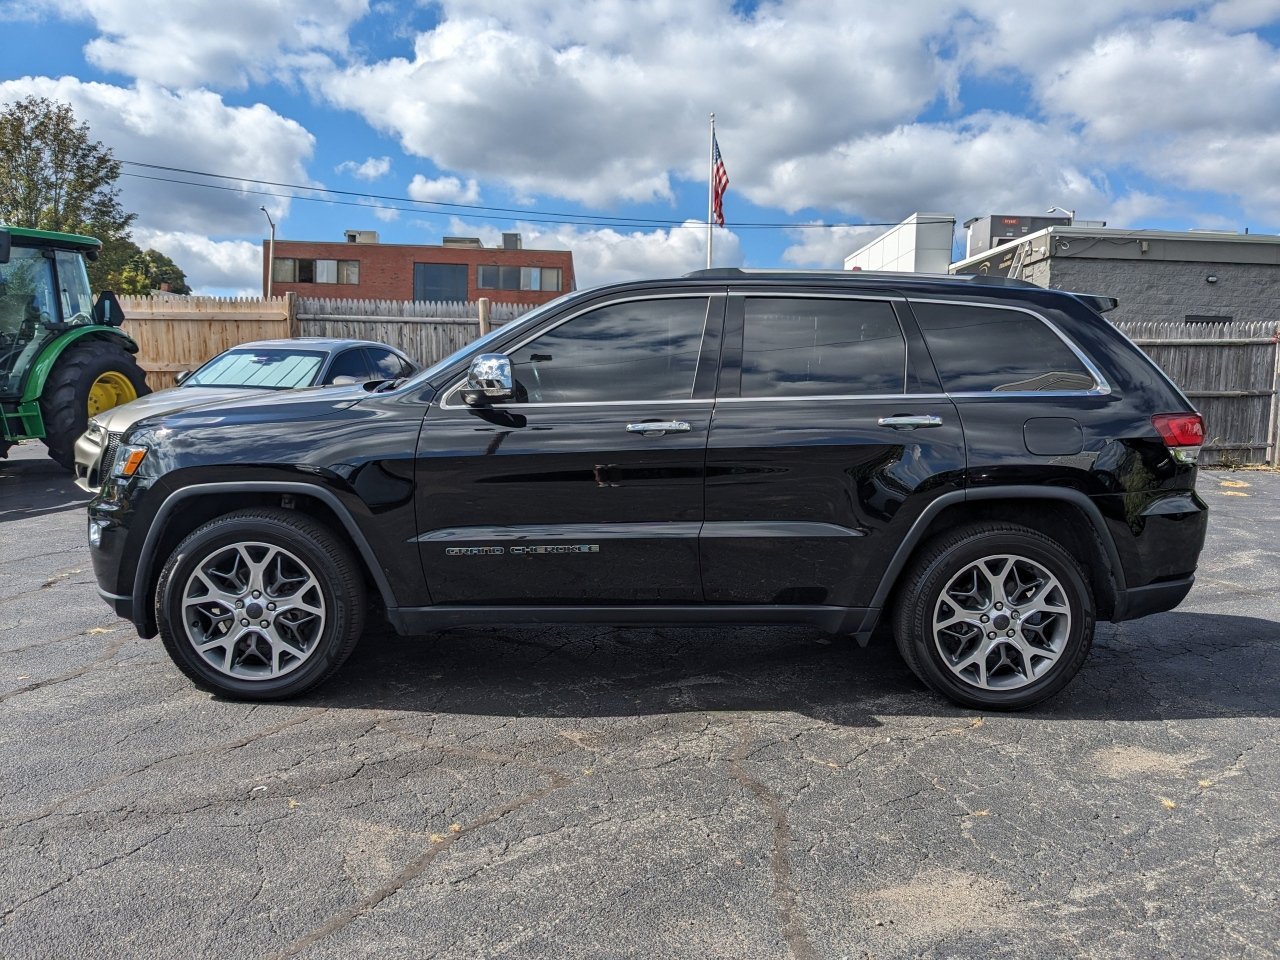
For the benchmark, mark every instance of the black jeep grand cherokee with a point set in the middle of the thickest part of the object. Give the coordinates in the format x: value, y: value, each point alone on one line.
x: 990, y: 465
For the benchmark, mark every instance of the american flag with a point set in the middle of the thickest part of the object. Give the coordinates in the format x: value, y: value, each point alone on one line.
x: 719, y: 180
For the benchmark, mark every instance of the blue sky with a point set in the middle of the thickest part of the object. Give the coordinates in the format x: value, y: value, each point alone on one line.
x: 584, y: 124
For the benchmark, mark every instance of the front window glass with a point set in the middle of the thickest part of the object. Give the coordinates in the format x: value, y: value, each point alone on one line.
x: 643, y: 350
x: 268, y: 369
x: 804, y: 348
x: 982, y: 349
x: 73, y: 288
x: 27, y: 303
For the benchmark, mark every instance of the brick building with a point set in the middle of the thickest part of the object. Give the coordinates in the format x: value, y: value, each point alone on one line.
x: 1187, y: 276
x: 461, y: 268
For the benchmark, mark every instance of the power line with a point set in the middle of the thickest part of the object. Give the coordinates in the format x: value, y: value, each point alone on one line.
x: 475, y: 211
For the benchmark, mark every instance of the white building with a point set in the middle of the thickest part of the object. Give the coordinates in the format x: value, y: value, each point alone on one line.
x: 920, y: 244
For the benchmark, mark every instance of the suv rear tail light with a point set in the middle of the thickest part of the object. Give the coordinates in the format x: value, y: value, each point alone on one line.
x: 1182, y: 433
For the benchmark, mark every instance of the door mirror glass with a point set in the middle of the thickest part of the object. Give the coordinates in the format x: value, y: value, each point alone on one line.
x: 489, y: 380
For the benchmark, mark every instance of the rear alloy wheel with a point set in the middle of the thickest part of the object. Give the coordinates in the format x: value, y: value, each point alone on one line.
x: 995, y: 616
x: 260, y: 605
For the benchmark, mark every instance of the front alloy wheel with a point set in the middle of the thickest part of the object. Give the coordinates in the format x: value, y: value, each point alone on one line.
x: 994, y: 616
x: 260, y: 604
x: 253, y: 611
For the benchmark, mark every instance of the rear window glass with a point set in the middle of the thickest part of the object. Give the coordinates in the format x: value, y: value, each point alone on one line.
x: 796, y: 347
x: 271, y: 369
x: 984, y: 349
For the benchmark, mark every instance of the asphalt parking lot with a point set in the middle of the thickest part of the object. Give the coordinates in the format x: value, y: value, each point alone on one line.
x: 636, y: 793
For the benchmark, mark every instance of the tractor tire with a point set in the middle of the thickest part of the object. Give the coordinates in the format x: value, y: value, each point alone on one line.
x: 91, y: 376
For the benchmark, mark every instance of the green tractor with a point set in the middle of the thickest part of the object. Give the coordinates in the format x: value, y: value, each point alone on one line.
x: 63, y: 358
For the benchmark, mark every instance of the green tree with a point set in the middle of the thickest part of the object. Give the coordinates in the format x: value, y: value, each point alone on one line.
x: 143, y: 272
x: 54, y: 176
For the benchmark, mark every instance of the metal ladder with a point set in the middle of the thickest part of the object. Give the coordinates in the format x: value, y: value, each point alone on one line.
x: 1019, y: 258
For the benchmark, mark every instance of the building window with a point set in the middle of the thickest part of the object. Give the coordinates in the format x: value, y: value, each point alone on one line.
x: 285, y: 270
x: 518, y: 278
x: 439, y: 281
x: 295, y: 270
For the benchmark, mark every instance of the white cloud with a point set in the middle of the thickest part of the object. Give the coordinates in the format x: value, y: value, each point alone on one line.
x: 228, y: 43
x: 987, y: 163
x: 1243, y: 14
x: 1176, y: 78
x: 826, y: 248
x: 386, y: 214
x: 444, y: 190
x: 605, y: 255
x: 228, y: 267
x: 371, y: 169
x: 194, y: 130
x: 601, y: 102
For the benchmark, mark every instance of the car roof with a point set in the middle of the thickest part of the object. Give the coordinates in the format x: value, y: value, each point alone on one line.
x: 312, y: 343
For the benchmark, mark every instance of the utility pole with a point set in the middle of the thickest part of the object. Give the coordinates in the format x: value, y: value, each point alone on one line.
x: 271, y: 251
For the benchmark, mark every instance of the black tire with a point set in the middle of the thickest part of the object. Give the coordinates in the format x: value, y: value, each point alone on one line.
x: 959, y: 553
x: 64, y: 402
x: 297, y: 537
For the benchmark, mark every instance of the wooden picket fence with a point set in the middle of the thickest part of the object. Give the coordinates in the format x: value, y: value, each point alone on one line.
x: 427, y: 330
x: 1231, y: 372
x: 180, y: 333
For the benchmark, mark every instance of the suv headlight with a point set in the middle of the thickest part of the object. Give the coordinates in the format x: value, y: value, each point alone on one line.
x: 128, y: 458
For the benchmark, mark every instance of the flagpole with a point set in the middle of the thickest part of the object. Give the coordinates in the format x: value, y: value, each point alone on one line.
x: 711, y: 186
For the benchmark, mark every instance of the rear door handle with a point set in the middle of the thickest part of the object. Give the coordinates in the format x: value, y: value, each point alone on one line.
x: 653, y: 428
x: 910, y: 421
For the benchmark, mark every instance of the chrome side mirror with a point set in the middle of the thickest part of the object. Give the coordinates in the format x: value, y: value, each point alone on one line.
x: 181, y: 376
x: 489, y: 380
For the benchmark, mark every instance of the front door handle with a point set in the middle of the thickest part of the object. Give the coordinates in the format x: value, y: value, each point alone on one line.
x: 653, y: 428
x: 910, y: 421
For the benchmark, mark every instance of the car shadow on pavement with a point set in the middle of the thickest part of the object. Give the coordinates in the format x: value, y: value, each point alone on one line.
x: 34, y: 487
x: 1172, y: 666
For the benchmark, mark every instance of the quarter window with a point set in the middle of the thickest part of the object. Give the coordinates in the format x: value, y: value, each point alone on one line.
x: 643, y: 350
x: 802, y: 347
x: 982, y: 350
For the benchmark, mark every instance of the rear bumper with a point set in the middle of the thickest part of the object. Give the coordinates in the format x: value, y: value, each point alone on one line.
x: 1156, y: 598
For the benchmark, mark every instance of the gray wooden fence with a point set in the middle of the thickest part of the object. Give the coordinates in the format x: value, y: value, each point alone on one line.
x: 1231, y: 372
x: 427, y: 330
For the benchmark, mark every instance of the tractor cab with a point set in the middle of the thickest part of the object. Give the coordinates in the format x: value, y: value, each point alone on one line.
x: 63, y: 357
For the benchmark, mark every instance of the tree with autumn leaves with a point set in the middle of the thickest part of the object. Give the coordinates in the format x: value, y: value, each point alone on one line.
x: 54, y: 176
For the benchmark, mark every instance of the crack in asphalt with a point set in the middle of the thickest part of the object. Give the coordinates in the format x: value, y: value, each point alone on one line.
x: 784, y: 893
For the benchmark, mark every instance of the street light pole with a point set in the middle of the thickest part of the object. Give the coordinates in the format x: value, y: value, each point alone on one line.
x: 1071, y: 214
x: 271, y: 251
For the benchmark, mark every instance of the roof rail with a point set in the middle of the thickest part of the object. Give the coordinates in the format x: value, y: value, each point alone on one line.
x: 737, y: 273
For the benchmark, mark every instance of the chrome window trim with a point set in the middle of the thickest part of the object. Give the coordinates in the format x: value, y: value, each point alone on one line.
x: 1101, y: 387
x: 906, y: 347
x: 905, y: 397
x: 692, y: 294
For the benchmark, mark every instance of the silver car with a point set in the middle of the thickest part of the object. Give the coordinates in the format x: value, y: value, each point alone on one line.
x: 241, y: 371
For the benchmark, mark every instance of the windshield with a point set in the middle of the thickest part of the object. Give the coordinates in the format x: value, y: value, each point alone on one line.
x: 438, y: 368
x: 267, y: 369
